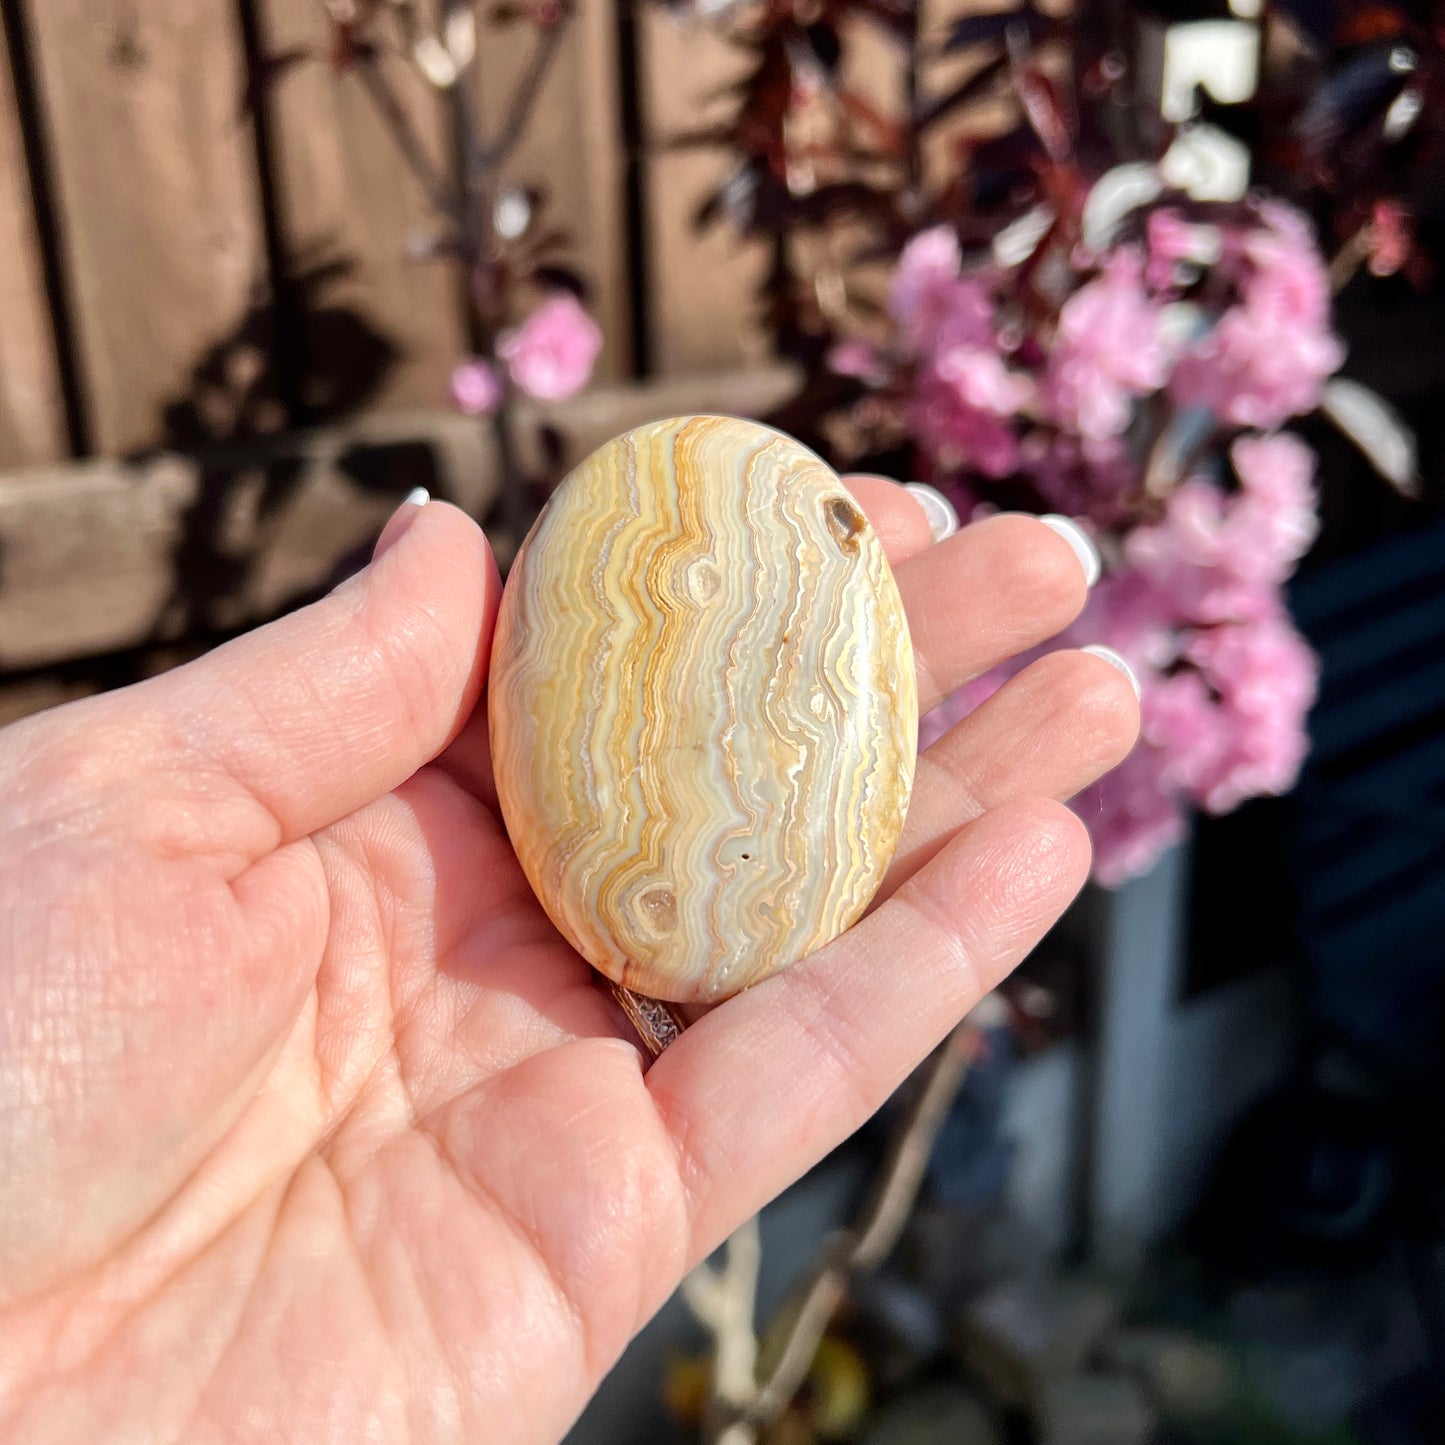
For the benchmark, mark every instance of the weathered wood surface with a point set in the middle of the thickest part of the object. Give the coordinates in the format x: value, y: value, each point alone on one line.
x: 347, y: 197
x: 32, y: 428
x: 155, y: 177
x: 571, y: 150
x: 224, y: 280
x: 703, y: 304
x: 103, y: 556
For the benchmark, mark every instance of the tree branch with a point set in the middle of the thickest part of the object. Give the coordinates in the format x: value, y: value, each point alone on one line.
x: 439, y: 191
x: 519, y: 109
x: 869, y: 1241
x: 741, y: 1402
x: 724, y: 1301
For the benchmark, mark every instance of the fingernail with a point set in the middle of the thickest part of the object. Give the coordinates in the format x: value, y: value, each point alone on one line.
x: 400, y: 520
x: 1107, y: 654
x: 1080, y: 541
x: 942, y: 519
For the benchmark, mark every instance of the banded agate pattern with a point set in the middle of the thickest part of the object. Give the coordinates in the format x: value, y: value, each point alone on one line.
x: 703, y: 708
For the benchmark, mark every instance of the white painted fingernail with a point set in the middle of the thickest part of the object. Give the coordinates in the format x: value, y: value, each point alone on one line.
x: 1080, y: 541
x: 417, y: 497
x: 942, y: 519
x: 1107, y: 654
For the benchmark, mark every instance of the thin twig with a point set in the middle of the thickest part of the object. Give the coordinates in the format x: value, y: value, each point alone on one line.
x: 724, y: 1301
x: 877, y: 1229
x: 1350, y: 257
x: 525, y: 96
x: 439, y: 191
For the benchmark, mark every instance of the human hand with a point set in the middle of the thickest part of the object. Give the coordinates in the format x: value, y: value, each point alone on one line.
x: 311, y: 1125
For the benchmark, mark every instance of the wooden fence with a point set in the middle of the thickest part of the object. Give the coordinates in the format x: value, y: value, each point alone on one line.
x: 180, y: 271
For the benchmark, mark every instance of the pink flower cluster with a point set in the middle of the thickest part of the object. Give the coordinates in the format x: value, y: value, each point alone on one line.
x: 1230, y: 319
x: 1227, y: 681
x: 550, y: 356
x: 1110, y: 349
x: 1222, y: 715
x: 965, y: 395
x: 1270, y: 354
x: 1221, y: 557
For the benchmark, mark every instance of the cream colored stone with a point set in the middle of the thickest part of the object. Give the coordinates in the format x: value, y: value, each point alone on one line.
x: 703, y: 708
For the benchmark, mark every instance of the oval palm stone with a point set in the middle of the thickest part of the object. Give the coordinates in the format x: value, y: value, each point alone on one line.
x: 703, y: 708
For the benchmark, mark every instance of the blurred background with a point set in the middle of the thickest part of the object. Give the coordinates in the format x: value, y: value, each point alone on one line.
x: 1172, y: 269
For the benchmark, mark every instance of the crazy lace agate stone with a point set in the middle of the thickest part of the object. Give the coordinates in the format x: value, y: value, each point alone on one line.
x: 703, y: 708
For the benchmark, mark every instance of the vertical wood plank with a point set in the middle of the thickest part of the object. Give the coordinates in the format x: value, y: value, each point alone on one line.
x: 154, y: 171
x: 345, y: 193
x: 572, y: 148
x: 704, y: 307
x: 32, y: 426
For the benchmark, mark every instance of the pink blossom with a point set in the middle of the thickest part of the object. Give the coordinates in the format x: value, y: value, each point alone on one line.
x: 1171, y: 240
x: 1263, y: 668
x: 1270, y: 355
x: 980, y: 380
x: 859, y: 359
x: 476, y: 388
x: 1220, y: 558
x: 1129, y: 612
x: 1186, y: 557
x: 1278, y: 471
x: 1133, y: 817
x: 1276, y: 517
x: 1080, y: 477
x: 1183, y: 720
x: 932, y: 303
x: 957, y: 434
x: 1266, y: 677
x: 1289, y: 277
x: 1110, y: 349
x: 551, y: 354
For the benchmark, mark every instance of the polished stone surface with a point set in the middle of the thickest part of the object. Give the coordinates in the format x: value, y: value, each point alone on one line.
x: 703, y: 708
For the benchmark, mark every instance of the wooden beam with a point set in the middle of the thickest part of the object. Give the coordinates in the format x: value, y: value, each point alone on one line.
x: 107, y: 556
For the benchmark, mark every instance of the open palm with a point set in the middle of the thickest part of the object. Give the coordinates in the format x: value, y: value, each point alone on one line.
x: 313, y: 1128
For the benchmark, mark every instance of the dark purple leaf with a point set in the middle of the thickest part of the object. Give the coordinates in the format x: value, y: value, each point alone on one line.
x: 1360, y: 91
x: 994, y: 27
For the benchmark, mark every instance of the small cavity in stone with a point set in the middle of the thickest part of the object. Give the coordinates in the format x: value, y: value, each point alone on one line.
x: 657, y: 910
x: 845, y: 522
